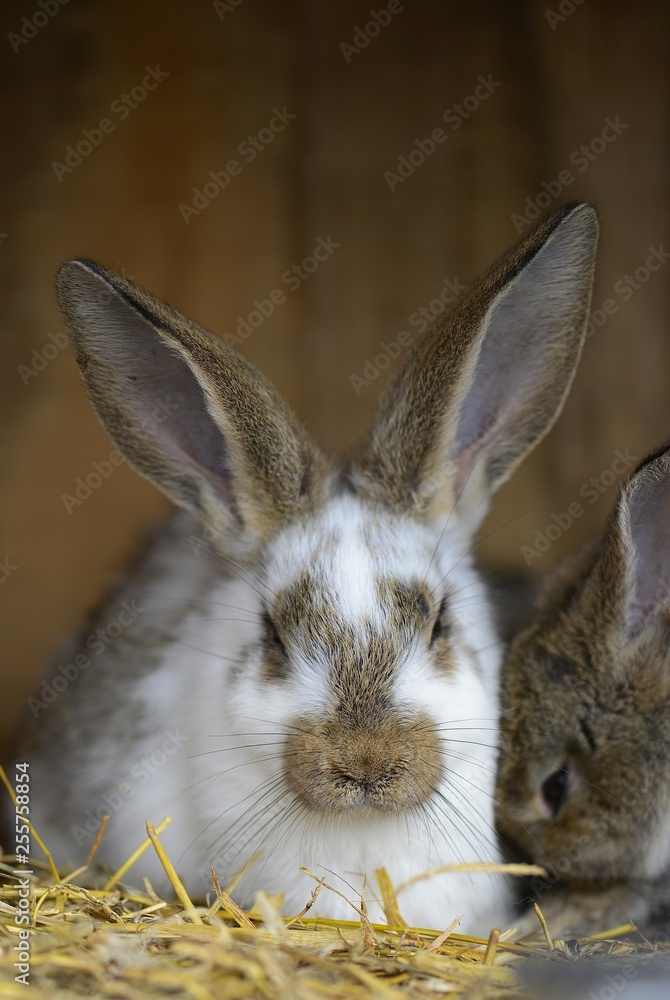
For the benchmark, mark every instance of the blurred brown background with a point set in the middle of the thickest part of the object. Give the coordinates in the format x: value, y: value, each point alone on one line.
x: 555, y: 74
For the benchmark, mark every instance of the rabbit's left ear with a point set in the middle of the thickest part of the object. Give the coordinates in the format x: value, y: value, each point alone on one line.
x: 485, y: 386
x: 632, y: 574
x: 228, y: 448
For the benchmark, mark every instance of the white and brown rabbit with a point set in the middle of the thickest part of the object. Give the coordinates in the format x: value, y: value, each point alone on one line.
x: 317, y: 680
x: 584, y: 770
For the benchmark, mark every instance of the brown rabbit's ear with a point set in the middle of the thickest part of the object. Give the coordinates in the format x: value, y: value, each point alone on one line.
x: 185, y: 409
x: 486, y: 384
x: 634, y: 567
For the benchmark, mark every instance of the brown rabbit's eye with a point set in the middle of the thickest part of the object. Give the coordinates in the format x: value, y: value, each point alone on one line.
x: 555, y: 790
x: 441, y: 628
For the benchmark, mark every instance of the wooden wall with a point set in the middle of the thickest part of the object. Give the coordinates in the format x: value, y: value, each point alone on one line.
x: 554, y: 81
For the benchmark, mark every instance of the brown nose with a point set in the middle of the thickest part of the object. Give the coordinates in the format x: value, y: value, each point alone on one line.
x: 333, y: 767
x: 367, y: 759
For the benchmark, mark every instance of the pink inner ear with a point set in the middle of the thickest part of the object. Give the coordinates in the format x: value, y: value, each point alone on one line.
x: 527, y: 357
x: 476, y: 449
x: 649, y: 516
x: 150, y: 383
x: 169, y: 403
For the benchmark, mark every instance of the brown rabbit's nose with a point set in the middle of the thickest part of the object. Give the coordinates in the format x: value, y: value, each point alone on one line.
x: 336, y: 768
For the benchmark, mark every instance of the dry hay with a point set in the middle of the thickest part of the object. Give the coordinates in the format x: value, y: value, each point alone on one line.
x: 119, y: 942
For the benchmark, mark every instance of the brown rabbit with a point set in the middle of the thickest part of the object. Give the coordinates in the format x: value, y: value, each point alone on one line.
x: 584, y: 768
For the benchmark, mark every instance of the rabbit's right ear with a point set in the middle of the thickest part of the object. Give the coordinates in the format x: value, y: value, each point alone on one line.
x: 188, y: 411
x: 485, y: 384
x: 630, y: 583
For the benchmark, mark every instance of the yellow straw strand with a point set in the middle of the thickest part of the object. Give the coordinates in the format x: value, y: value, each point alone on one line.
x: 229, y: 905
x: 145, y: 845
x: 492, y: 946
x: 543, y: 924
x: 175, y: 881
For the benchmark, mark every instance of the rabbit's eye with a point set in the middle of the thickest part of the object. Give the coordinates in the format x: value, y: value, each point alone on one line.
x: 441, y: 628
x: 276, y: 660
x: 273, y: 635
x: 555, y: 790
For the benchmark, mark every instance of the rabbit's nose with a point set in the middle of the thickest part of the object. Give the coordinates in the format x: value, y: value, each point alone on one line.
x: 334, y: 766
x: 370, y: 765
x: 338, y: 767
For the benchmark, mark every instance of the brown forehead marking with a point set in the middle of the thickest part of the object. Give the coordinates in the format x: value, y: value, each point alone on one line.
x: 408, y: 604
x: 307, y: 608
x: 305, y: 614
x: 362, y: 660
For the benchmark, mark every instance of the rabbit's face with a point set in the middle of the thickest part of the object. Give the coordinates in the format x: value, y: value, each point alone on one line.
x: 375, y: 648
x: 584, y: 770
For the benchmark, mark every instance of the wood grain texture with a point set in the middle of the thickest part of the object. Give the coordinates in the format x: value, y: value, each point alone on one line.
x: 321, y: 176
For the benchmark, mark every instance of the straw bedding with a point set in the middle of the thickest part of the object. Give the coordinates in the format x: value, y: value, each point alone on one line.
x: 117, y: 941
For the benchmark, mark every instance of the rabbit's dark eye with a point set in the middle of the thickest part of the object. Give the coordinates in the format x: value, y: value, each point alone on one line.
x: 555, y: 790
x: 276, y: 659
x: 441, y: 628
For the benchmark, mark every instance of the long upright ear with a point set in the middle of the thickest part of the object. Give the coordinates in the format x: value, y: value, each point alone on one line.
x: 632, y: 575
x: 186, y: 410
x: 486, y: 384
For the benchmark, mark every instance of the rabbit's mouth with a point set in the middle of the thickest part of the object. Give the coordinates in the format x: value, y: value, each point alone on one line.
x: 340, y: 767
